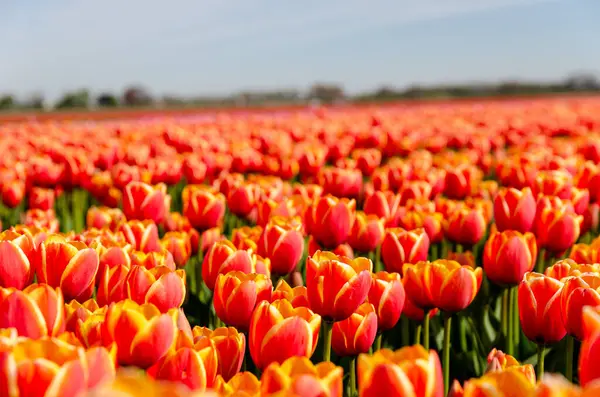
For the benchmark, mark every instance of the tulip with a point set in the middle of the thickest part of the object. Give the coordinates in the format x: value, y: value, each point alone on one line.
x: 146, y: 202
x: 387, y: 296
x: 242, y: 384
x: 340, y: 250
x: 208, y: 238
x: 577, y: 292
x: 446, y: 285
x: 329, y: 220
x: 13, y: 193
x: 282, y: 242
x: 160, y: 286
x: 75, y: 312
x: 341, y: 182
x: 554, y: 385
x: 465, y: 258
x: 514, y: 209
x: 539, y: 312
x: 279, y: 331
x: 590, y: 348
x: 51, y: 367
x: 508, y: 255
x: 383, y: 204
x: 553, y: 183
x: 242, y: 199
x: 72, y: 266
x: 223, y: 258
x: 236, y: 295
x: 35, y: 312
x: 430, y: 222
x: 465, y: 226
x: 151, y: 260
x: 400, y: 246
x: 101, y: 217
x: 230, y: 345
x: 17, y: 254
x: 367, y: 232
x: 41, y: 198
x: 355, y: 335
x: 179, y: 245
x: 410, y: 371
x: 297, y: 296
x: 557, y: 229
x: 298, y: 376
x: 194, y: 367
x: 142, y: 235
x: 510, y: 382
x: 498, y: 361
x: 203, y: 206
x: 142, y: 334
x: 460, y: 182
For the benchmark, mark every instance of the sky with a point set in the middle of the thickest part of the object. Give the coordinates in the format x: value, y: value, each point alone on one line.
x: 207, y: 47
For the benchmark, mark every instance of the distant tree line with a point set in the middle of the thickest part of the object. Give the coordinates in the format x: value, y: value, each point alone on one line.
x: 322, y: 93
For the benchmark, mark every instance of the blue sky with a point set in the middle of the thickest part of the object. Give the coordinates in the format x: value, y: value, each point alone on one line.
x: 193, y: 47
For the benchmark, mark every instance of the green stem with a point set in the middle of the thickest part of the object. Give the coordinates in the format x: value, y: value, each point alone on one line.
x: 569, y: 358
x: 446, y: 353
x: 540, y: 366
x: 426, y: 330
x: 378, y: 264
x: 418, y: 334
x: 404, y: 324
x: 327, y: 331
x: 353, y: 392
x: 504, y: 315
x: 516, y: 322
x: 378, y: 339
x: 540, y: 266
x: 459, y: 248
x: 510, y: 338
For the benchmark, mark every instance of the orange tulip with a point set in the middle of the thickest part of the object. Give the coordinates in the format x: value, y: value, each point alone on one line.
x: 142, y: 334
x: 35, y: 312
x: 142, y: 235
x: 298, y: 376
x: 383, y: 204
x: 514, y: 210
x: 557, y: 229
x: 590, y: 348
x: 337, y: 285
x: 498, y: 361
x: 104, y: 217
x: 356, y: 334
x: 194, y: 367
x: 466, y: 226
x: 297, y: 296
x: 329, y: 220
x: 151, y: 260
x: 387, y: 296
x: 204, y: 207
x: 179, y: 245
x: 160, y: 286
x: 442, y: 284
x: 242, y: 199
x: 146, y: 202
x: 282, y: 242
x: 553, y: 183
x: 401, y: 246
x: 236, y: 295
x: 230, y: 345
x: 578, y: 292
x: 243, y: 384
x: 508, y: 255
x: 75, y: 312
x: 553, y: 385
x: 410, y: 371
x: 17, y: 259
x: 340, y: 250
x: 209, y: 237
x: 510, y: 382
x: 279, y: 331
x: 51, y: 367
x: 367, y: 232
x: 430, y: 222
x: 13, y: 193
x: 223, y: 258
x: 461, y: 181
x: 72, y: 266
x: 539, y: 308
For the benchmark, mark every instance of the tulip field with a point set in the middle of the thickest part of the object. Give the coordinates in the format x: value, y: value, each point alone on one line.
x: 430, y: 250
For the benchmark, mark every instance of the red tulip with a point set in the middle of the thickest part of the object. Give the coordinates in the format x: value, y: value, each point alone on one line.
x: 367, y: 232
x: 387, y: 296
x: 17, y: 259
x: 204, y: 207
x: 356, y: 334
x: 146, y: 202
x: 514, y: 209
x: 508, y: 255
x: 330, y: 220
x: 282, y: 242
x: 400, y: 246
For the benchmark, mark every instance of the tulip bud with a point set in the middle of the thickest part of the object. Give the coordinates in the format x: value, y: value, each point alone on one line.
x: 590, y: 348
x: 356, y: 334
x: 329, y: 220
x: 514, y: 209
x: 297, y: 296
x: 236, y: 295
x: 508, y: 255
x: 283, y: 243
x: 146, y: 202
x: 17, y: 259
x: 298, y: 376
x: 367, y: 232
x: 230, y: 345
x: 203, y: 206
x: 400, y: 246
x: 387, y: 296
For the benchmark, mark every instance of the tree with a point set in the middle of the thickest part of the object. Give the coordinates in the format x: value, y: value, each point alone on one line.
x: 326, y: 93
x: 7, y: 102
x: 136, y: 96
x: 107, y: 100
x: 75, y: 99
